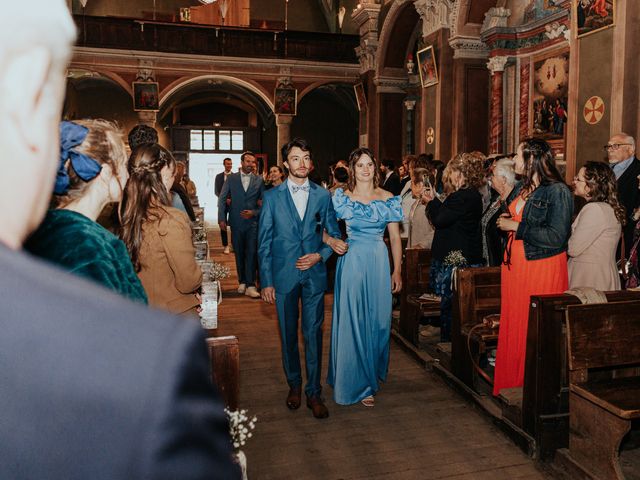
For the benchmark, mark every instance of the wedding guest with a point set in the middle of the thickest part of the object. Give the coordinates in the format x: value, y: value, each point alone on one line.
x: 403, y: 173
x: 157, y: 235
x: 621, y: 151
x: 93, y: 385
x: 275, y: 177
x: 219, y: 182
x: 456, y: 220
x: 538, y: 224
x: 595, y: 232
x: 92, y: 173
x: 360, y: 330
x: 406, y: 196
x: 420, y: 229
x: 502, y: 179
x: 390, y: 181
x: 340, y: 177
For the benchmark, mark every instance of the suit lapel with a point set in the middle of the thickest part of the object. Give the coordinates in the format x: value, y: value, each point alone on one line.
x: 291, y: 207
x: 311, y: 204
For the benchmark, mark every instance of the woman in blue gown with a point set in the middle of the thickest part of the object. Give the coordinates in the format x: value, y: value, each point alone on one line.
x: 359, y: 356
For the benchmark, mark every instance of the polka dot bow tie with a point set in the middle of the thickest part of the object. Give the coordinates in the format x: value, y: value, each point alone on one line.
x: 296, y: 188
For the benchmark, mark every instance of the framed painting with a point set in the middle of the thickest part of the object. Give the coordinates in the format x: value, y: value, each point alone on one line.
x: 145, y: 96
x: 285, y: 100
x: 593, y: 15
x: 361, y: 97
x: 549, y: 96
x: 427, y: 67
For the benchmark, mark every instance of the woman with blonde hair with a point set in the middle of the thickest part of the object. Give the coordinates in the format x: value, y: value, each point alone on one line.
x: 596, y: 231
x: 157, y: 235
x: 456, y: 219
x: 91, y: 174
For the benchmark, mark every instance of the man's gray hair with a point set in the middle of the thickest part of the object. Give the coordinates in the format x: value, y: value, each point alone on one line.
x: 45, y: 23
x: 504, y: 168
x: 626, y: 138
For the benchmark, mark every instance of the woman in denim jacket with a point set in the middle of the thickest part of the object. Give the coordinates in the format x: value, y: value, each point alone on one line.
x: 539, y: 225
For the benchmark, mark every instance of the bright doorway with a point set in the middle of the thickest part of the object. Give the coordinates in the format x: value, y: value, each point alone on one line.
x: 203, y: 168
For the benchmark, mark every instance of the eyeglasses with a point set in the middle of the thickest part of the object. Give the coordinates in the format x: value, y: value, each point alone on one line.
x: 614, y: 146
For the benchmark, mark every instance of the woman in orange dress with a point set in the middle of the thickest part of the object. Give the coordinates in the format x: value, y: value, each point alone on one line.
x: 535, y: 263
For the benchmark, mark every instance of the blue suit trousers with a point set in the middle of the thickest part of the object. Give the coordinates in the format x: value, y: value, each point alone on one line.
x: 288, y: 307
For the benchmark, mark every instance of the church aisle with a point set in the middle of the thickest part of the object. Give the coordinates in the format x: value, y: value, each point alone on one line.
x: 419, y: 428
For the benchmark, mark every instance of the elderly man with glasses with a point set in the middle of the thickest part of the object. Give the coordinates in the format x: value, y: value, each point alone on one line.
x: 621, y: 151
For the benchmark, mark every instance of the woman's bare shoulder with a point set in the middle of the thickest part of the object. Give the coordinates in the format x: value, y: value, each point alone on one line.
x: 382, y: 194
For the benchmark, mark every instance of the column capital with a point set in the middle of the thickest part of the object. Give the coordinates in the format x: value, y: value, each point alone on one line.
x: 436, y: 14
x: 468, y: 47
x: 495, y: 17
x: 146, y: 71
x: 365, y: 15
x: 284, y: 119
x: 409, y: 104
x: 497, y: 64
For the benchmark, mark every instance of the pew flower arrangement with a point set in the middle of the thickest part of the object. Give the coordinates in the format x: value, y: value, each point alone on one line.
x: 240, y: 426
x: 218, y: 271
x: 455, y: 259
x: 200, y: 235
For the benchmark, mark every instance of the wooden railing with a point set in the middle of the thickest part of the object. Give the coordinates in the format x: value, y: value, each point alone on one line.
x: 153, y: 36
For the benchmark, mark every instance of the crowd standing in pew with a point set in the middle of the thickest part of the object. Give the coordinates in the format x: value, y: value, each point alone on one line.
x: 157, y: 235
x: 94, y: 385
x: 538, y: 223
x: 92, y: 173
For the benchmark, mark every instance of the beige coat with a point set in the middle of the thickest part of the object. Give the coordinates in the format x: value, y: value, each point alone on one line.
x: 420, y: 230
x: 595, y: 234
x: 169, y: 273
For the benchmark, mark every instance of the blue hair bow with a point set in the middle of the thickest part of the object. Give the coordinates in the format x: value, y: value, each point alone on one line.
x: 72, y: 135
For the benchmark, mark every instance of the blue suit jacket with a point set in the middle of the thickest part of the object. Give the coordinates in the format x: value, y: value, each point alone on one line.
x: 240, y: 200
x: 283, y: 238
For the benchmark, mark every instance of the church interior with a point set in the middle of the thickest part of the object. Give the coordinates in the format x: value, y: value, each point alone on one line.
x: 402, y: 78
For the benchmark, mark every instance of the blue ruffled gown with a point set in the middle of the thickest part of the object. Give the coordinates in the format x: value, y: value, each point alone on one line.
x: 360, y: 331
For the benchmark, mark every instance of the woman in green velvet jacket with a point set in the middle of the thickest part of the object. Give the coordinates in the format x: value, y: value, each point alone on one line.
x: 92, y: 173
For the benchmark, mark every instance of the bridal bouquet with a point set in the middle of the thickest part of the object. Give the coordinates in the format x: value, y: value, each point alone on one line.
x: 240, y: 426
x: 455, y: 259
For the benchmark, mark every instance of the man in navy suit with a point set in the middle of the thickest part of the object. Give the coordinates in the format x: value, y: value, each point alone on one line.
x: 93, y: 386
x: 621, y: 150
x: 245, y: 189
x: 292, y: 268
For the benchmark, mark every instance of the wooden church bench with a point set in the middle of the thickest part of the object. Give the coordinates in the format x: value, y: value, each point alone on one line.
x: 476, y: 296
x: 602, y: 337
x: 415, y: 282
x: 224, y: 354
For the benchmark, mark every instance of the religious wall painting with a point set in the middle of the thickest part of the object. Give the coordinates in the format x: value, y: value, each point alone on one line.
x: 361, y: 97
x: 549, y: 96
x: 427, y: 67
x: 285, y: 100
x: 593, y: 15
x: 145, y: 96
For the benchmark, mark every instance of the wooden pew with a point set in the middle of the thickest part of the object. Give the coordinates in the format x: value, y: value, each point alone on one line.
x: 545, y: 404
x: 224, y: 354
x: 477, y: 295
x: 415, y: 282
x: 605, y: 337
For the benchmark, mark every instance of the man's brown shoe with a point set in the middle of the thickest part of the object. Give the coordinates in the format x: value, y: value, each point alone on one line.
x: 317, y: 407
x: 294, y: 398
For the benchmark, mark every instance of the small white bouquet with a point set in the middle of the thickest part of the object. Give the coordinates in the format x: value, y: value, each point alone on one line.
x: 455, y: 259
x: 218, y: 271
x: 240, y: 427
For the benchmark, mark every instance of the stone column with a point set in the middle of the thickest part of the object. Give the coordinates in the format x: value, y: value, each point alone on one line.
x: 284, y: 132
x: 524, y: 101
x: 146, y: 73
x: 496, y: 65
x: 409, y: 144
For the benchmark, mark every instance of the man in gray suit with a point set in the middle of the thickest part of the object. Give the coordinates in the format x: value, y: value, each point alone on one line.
x: 245, y: 189
x: 93, y: 386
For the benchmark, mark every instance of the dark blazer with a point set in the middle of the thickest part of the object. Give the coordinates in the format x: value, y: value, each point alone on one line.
x: 457, y: 224
x: 629, y: 197
x: 240, y: 200
x: 392, y: 184
x: 217, y: 188
x: 94, y: 386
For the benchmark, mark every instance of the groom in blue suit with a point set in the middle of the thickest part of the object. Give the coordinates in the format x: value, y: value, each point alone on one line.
x: 292, y: 268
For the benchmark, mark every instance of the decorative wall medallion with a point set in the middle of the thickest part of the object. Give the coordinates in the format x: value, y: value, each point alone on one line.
x: 593, y: 110
x: 431, y: 135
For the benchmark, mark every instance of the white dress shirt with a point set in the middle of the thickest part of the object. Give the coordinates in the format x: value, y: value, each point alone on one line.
x: 246, y: 180
x: 300, y: 198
